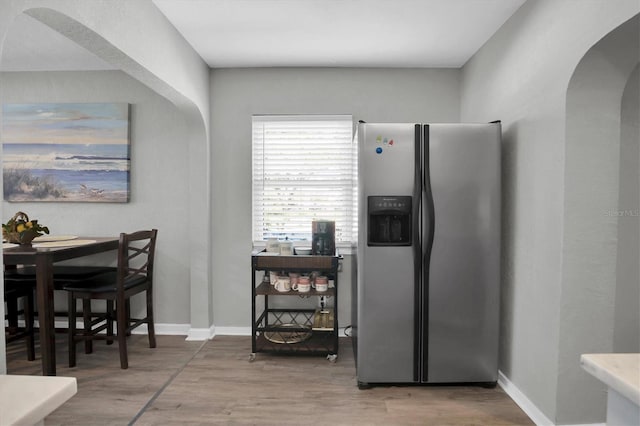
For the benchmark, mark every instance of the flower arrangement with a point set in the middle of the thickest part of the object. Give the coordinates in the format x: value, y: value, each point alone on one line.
x: 19, y: 229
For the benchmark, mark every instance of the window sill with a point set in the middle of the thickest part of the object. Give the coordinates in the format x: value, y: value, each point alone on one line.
x: 344, y: 250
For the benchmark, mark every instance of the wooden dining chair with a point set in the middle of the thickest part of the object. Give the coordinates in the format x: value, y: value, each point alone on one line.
x: 134, y: 274
x: 13, y: 294
x: 62, y: 275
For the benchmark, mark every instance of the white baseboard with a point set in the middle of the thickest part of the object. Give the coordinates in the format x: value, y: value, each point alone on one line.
x: 523, y: 402
x: 246, y: 331
x: 194, y: 334
x: 527, y: 406
x: 165, y: 329
x: 201, y: 333
x: 161, y: 329
x: 233, y: 331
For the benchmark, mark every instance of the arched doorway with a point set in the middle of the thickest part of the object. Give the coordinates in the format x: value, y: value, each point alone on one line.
x: 595, y: 196
x: 109, y: 31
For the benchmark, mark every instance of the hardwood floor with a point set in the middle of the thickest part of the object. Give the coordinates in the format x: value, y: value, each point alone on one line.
x: 213, y: 382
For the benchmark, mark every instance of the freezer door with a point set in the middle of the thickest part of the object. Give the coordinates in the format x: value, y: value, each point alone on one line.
x: 462, y: 296
x: 386, y: 280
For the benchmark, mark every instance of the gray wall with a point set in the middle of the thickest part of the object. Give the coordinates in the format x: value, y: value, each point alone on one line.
x: 521, y: 76
x: 159, y: 177
x: 626, y: 336
x: 368, y: 94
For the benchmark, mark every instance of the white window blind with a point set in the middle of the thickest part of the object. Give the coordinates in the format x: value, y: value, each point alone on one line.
x: 303, y: 170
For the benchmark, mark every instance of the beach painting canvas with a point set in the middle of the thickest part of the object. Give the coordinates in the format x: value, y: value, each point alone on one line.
x: 66, y: 152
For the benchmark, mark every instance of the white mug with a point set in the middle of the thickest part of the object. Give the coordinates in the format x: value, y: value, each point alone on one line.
x: 283, y: 284
x: 322, y: 287
x: 321, y: 283
x: 302, y: 288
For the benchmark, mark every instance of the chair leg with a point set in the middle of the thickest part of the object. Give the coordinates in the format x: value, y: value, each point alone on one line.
x: 110, y: 321
x: 151, y: 330
x: 12, y: 314
x: 28, y: 325
x: 122, y: 324
x: 72, y: 329
x: 127, y: 305
x: 86, y: 316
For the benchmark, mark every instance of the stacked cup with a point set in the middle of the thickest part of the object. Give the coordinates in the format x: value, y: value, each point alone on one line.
x: 321, y: 283
x: 303, y: 284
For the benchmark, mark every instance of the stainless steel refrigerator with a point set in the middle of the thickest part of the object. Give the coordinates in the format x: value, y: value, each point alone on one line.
x: 426, y: 303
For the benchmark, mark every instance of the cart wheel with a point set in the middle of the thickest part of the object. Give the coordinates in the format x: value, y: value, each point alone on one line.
x: 252, y: 357
x: 332, y: 357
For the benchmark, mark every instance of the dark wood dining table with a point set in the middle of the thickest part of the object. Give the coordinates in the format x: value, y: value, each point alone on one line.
x: 43, y: 259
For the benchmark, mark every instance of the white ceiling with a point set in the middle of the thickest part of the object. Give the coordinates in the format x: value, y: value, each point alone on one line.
x: 294, y: 33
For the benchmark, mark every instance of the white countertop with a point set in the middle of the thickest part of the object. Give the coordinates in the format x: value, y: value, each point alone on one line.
x: 26, y: 400
x: 621, y: 372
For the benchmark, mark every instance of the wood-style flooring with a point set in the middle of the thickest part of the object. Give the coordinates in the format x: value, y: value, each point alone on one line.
x: 213, y: 382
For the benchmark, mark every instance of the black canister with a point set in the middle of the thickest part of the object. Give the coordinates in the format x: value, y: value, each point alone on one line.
x: 323, y: 237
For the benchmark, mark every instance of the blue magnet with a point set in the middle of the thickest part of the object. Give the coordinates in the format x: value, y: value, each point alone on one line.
x: 378, y: 150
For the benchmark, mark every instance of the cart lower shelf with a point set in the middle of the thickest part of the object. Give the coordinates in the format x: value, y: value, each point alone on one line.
x: 318, y: 343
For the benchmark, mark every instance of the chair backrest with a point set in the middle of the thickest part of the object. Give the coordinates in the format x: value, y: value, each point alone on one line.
x: 136, y: 252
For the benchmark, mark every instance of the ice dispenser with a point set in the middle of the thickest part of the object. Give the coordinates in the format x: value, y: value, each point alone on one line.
x: 389, y: 221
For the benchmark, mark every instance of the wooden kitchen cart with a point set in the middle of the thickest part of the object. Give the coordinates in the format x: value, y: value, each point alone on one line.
x: 289, y: 329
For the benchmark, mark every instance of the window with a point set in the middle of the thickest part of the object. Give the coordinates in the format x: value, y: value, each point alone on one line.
x: 303, y: 170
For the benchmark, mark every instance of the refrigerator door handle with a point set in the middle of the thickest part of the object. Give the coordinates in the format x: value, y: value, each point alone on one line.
x: 417, y: 250
x: 417, y: 197
x: 428, y: 233
x: 429, y: 211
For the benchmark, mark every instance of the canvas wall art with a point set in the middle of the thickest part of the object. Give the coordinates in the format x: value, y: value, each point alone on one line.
x: 66, y: 152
